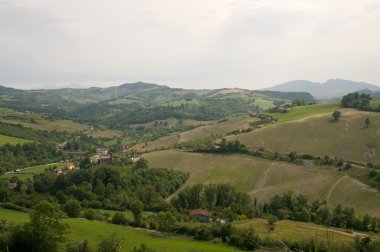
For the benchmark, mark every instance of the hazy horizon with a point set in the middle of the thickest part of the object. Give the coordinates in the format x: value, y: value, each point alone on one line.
x: 198, y: 44
x: 80, y: 86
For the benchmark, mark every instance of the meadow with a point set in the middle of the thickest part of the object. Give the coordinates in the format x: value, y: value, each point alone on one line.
x: 82, y: 229
x: 301, y: 231
x: 12, y: 140
x: 263, y: 179
x: 30, y: 171
x: 300, y: 112
x: 375, y: 103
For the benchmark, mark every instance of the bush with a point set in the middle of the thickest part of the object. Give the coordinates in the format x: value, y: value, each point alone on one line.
x: 245, y: 239
x: 72, y: 208
x: 111, y: 243
x: 203, y: 233
x: 78, y: 247
x: 143, y: 248
x: 89, y: 214
x: 119, y: 219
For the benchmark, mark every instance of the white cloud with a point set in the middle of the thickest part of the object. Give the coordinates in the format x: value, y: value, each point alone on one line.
x: 187, y: 43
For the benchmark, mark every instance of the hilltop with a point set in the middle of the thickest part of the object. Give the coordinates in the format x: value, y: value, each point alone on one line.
x: 333, y: 88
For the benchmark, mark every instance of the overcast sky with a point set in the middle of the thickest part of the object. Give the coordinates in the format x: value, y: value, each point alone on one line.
x: 187, y: 43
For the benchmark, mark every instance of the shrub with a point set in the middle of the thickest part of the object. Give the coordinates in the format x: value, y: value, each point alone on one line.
x: 72, y: 208
x: 89, y: 214
x: 203, y: 233
x: 245, y: 239
x: 111, y: 243
x: 119, y: 219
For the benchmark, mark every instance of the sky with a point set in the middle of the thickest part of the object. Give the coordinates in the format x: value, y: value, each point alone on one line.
x: 248, y: 44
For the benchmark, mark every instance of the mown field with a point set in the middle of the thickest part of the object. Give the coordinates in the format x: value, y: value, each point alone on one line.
x: 215, y: 128
x: 319, y: 136
x: 30, y: 171
x: 301, y: 231
x: 375, y: 103
x: 264, y: 104
x: 263, y: 178
x: 305, y: 111
x: 91, y: 230
x: 12, y: 140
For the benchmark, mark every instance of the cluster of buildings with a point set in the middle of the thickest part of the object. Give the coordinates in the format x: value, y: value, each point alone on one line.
x: 102, y: 155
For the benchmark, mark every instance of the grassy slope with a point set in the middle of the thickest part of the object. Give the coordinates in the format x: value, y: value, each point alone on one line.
x: 263, y: 179
x: 29, y: 172
x: 375, y: 103
x: 216, y: 128
x: 317, y: 135
x: 264, y: 104
x: 285, y: 230
x: 12, y: 140
x: 305, y: 111
x: 38, y: 122
x: 91, y: 230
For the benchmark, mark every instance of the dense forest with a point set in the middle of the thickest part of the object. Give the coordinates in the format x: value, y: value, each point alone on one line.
x: 109, y: 187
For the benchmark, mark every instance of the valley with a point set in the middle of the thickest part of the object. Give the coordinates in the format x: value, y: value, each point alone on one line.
x: 139, y: 158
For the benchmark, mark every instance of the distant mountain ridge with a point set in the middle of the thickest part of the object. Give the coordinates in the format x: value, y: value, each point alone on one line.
x: 333, y: 88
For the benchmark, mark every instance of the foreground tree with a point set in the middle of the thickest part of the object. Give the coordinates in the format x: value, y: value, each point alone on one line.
x: 45, y: 231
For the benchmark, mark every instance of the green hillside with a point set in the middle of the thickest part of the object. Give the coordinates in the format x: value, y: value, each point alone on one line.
x: 91, y: 230
x: 263, y: 178
x: 12, y: 140
x: 319, y: 136
x: 215, y: 128
x: 299, y: 112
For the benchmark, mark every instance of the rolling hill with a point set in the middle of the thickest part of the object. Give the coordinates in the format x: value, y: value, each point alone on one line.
x: 333, y: 88
x: 141, y: 103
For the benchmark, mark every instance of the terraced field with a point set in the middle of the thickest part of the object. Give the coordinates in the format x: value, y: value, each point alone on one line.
x: 263, y: 178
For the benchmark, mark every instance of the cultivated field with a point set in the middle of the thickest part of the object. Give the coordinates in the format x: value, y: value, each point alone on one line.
x: 91, y: 230
x: 104, y: 133
x: 263, y: 178
x: 319, y: 136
